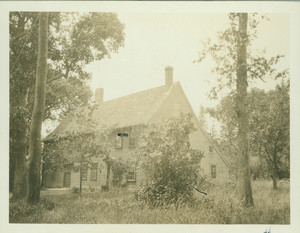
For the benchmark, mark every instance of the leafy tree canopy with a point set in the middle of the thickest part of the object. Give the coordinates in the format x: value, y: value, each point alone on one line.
x: 223, y: 51
x: 269, y: 126
x: 74, y: 41
x: 88, y: 145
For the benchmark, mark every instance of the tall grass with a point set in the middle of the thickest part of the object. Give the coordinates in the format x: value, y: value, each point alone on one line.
x: 220, y: 206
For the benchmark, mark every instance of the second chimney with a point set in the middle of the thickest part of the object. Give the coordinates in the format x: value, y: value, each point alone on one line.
x: 99, y: 92
x: 168, y: 76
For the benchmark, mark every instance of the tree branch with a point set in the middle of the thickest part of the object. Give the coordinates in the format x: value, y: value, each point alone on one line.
x: 18, y: 57
x: 267, y: 152
x: 54, y: 78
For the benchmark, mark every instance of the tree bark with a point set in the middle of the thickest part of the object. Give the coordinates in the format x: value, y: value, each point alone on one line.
x: 274, y: 172
x: 19, y: 179
x: 108, y: 175
x: 244, y: 178
x: 80, y: 181
x: 274, y: 179
x: 17, y: 160
x: 34, y: 170
x: 18, y: 134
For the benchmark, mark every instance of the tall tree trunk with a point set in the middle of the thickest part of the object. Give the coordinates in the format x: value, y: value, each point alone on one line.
x: 34, y: 170
x: 19, y: 179
x: 80, y: 181
x: 274, y: 179
x: 17, y: 151
x: 244, y: 179
x: 274, y: 172
x: 108, y: 175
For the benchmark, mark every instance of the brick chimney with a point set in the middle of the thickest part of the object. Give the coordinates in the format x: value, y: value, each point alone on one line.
x: 99, y: 92
x: 168, y: 76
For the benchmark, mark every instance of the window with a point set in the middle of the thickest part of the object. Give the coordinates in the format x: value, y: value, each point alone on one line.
x: 119, y: 142
x: 132, y: 142
x: 213, y: 169
x: 84, y: 172
x: 131, y: 176
x: 67, y: 179
x: 94, y: 170
x: 211, y: 148
x: 177, y: 110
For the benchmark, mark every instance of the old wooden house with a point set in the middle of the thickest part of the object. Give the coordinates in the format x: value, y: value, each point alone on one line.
x: 126, y: 115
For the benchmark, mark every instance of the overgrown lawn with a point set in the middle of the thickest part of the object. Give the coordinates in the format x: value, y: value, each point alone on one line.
x: 220, y: 206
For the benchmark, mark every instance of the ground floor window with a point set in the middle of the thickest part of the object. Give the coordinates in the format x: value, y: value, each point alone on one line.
x: 84, y: 171
x: 67, y: 179
x: 94, y: 170
x: 213, y: 169
x: 131, y: 176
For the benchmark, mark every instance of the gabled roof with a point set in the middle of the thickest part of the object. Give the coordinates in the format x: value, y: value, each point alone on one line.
x: 203, y: 130
x: 130, y: 110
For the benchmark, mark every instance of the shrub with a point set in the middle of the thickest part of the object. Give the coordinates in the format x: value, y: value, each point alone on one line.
x: 120, y: 171
x: 75, y: 190
x: 21, y: 211
x: 170, y: 162
x: 104, y: 188
x: 92, y: 189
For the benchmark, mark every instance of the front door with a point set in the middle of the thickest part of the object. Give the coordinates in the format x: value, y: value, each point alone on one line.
x: 67, y: 179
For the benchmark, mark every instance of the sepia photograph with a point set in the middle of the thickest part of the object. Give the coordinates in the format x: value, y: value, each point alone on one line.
x: 149, y: 116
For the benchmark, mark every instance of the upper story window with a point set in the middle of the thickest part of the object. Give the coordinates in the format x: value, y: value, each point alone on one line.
x: 132, y: 142
x: 211, y: 148
x: 213, y: 170
x: 119, y: 142
x: 177, y: 109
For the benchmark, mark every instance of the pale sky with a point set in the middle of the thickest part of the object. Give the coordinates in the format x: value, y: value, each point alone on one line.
x: 155, y: 40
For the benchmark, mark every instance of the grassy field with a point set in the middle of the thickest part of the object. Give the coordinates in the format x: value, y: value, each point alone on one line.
x: 220, y: 206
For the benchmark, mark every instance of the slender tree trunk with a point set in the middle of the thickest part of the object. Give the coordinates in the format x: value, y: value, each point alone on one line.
x: 80, y: 182
x: 274, y: 173
x: 108, y: 175
x: 244, y: 178
x: 12, y: 165
x: 274, y: 179
x: 34, y: 170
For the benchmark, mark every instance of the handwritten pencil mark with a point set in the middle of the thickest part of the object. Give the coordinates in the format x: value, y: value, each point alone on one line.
x: 200, y: 191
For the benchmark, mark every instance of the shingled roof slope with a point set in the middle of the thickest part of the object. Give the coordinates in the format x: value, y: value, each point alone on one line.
x: 129, y: 110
